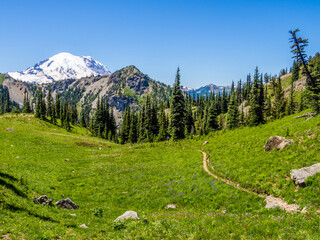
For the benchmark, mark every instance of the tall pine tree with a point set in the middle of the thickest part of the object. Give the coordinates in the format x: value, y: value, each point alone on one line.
x: 177, y: 110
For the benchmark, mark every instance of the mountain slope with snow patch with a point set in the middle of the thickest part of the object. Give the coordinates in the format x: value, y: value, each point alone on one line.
x: 61, y: 67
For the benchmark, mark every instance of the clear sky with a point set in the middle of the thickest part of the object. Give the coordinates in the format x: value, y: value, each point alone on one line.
x: 211, y: 41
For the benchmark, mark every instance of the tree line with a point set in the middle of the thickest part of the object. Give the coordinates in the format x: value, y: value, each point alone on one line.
x: 253, y: 102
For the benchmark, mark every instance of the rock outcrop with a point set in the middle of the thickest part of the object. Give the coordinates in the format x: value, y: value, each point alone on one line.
x: 300, y: 175
x: 67, y: 204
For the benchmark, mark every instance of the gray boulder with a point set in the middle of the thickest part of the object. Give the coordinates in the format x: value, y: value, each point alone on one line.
x: 66, y: 204
x: 43, y: 200
x: 273, y: 142
x: 300, y: 175
x: 127, y: 215
x: 284, y: 143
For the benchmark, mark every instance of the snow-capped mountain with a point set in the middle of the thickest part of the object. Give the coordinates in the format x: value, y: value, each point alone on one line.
x: 206, y: 89
x: 60, y: 67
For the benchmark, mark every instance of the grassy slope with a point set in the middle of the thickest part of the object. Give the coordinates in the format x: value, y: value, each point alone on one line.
x: 143, y: 178
x: 240, y: 155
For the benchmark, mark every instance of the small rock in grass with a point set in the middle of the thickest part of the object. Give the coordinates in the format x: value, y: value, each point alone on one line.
x: 83, y: 226
x: 171, y: 206
x: 206, y: 142
x: 43, y: 200
x: 67, y: 204
x: 73, y: 214
x: 100, y: 148
x: 128, y: 215
x: 67, y: 160
x: 284, y: 143
x: 273, y: 142
x: 224, y: 211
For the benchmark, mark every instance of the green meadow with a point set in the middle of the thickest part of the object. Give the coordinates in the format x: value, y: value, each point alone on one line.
x: 106, y: 179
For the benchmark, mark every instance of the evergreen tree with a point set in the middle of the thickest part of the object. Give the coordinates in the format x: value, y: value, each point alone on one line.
x: 256, y: 109
x: 212, y: 117
x: 142, y: 130
x: 74, y: 115
x: 233, y: 113
x: 125, y: 126
x: 83, y: 121
x: 58, y: 106
x: 248, y: 87
x: 26, y: 104
x: 239, y: 92
x: 98, y: 125
x: 154, y: 120
x: 177, y: 110
x: 67, y: 117
x: 148, y: 119
x: 49, y: 103
x: 279, y: 101
x: 53, y: 115
x: 39, y: 104
x: 163, y: 125
x: 189, y: 124
x: 113, y: 126
x: 224, y: 104
x: 313, y: 85
x: 7, y: 106
x: 295, y: 71
x: 43, y: 108
x: 2, y: 103
x: 261, y: 101
x: 62, y: 114
x: 133, y: 133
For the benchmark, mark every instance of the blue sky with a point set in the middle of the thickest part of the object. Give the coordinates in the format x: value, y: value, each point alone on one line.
x: 211, y: 41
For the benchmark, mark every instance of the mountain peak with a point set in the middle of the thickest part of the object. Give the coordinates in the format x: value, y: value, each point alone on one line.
x: 61, y: 66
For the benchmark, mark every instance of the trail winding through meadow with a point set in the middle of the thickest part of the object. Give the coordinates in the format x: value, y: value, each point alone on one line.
x: 271, y: 200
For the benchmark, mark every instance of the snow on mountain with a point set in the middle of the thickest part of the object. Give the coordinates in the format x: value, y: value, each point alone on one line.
x: 187, y: 89
x: 60, y: 67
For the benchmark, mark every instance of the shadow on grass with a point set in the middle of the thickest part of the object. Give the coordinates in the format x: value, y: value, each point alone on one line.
x: 12, y: 188
x: 6, y: 175
x: 13, y: 208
